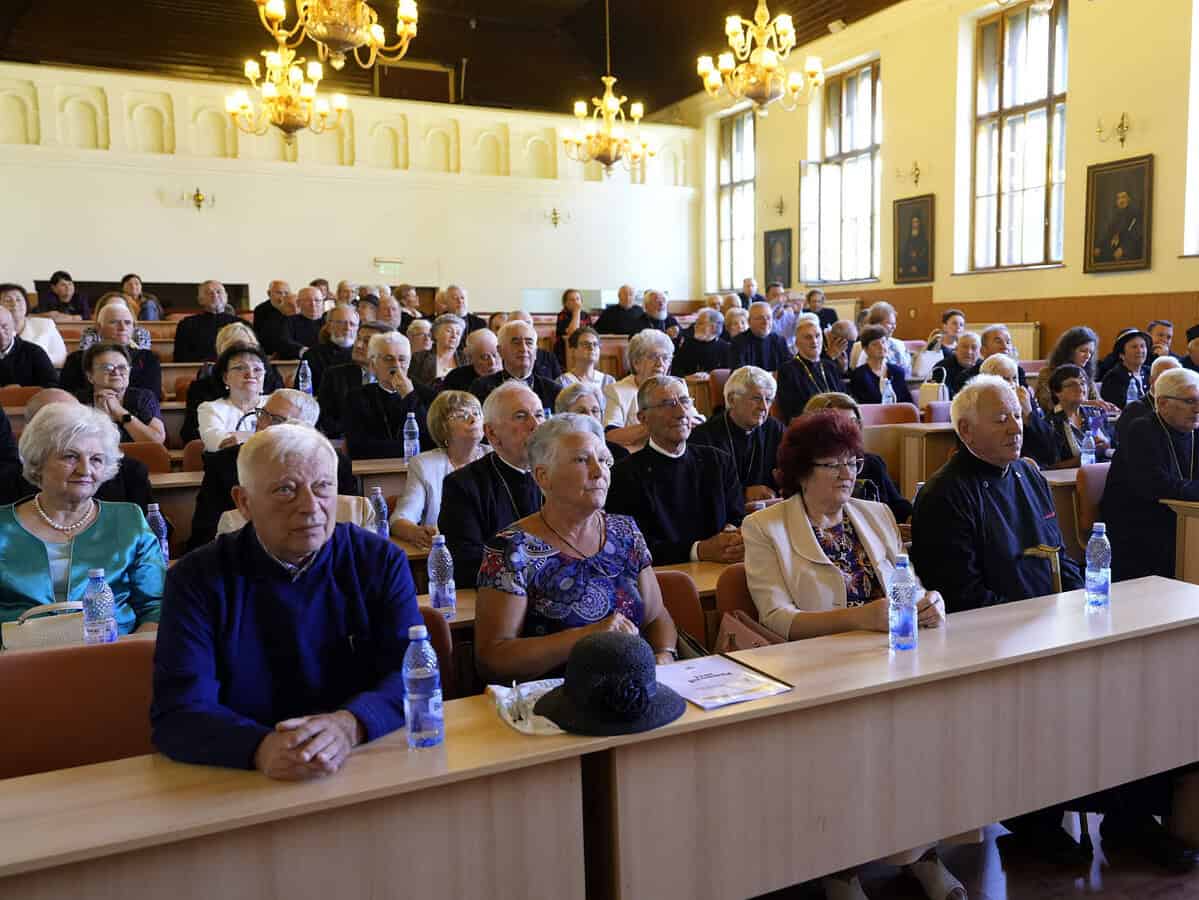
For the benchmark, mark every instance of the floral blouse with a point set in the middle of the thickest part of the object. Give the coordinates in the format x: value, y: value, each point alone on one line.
x: 845, y: 551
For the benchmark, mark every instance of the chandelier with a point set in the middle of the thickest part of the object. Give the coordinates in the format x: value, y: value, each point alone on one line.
x: 754, y: 68
x: 341, y: 27
x: 289, y: 100
x: 603, y: 139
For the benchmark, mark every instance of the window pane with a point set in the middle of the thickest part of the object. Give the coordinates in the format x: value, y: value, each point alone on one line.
x: 748, y: 163
x: 849, y: 112
x: 726, y: 151
x: 832, y: 118
x: 830, y: 222
x: 1036, y: 58
x: 743, y: 211
x: 878, y: 110
x: 856, y: 224
x: 986, y: 188
x: 1060, y: 50
x: 877, y: 254
x: 739, y: 149
x: 865, y: 113
x: 725, y: 213
x: 1016, y: 36
x: 988, y: 70
x: 726, y: 265
x: 809, y: 222
x: 1057, y: 197
x: 1022, y: 207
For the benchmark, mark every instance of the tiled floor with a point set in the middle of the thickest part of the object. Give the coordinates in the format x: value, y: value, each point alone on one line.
x: 988, y: 876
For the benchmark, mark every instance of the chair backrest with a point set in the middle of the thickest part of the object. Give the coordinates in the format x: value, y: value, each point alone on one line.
x: 681, y: 600
x: 193, y: 456
x: 888, y: 413
x: 1092, y: 480
x: 182, y: 383
x: 716, y: 380
x: 150, y: 453
x: 16, y: 395
x: 914, y: 346
x: 732, y: 592
x: 42, y: 704
x: 937, y: 411
x: 443, y: 645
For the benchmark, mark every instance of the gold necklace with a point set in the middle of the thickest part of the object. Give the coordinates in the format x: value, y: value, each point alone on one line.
x: 65, y: 529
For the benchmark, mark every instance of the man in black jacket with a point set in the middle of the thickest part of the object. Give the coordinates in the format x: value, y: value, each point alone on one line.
x: 338, y: 349
x: 746, y: 431
x: 759, y: 345
x: 302, y: 331
x: 483, y: 353
x: 21, y: 362
x: 340, y: 381
x: 809, y: 373
x: 195, y: 336
x: 626, y: 317
x: 375, y: 414
x: 270, y: 318
x: 518, y: 350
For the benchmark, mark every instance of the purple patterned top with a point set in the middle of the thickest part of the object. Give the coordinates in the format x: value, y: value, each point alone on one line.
x: 565, y: 592
x: 845, y: 551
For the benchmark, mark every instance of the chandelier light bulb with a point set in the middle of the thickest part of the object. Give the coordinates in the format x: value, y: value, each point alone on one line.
x: 726, y: 63
x: 253, y: 73
x: 704, y: 66
x: 581, y: 109
x: 378, y: 36
x: 232, y: 105
x: 732, y: 27
x: 273, y: 60
x: 276, y: 10
x: 795, y: 83
x: 322, y: 107
x: 269, y: 91
x: 315, y: 71
x: 636, y: 111
x: 340, y: 103
x: 784, y: 27
x: 308, y: 91
x: 406, y: 13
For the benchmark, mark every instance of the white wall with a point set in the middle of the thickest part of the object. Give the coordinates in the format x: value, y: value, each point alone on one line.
x: 94, y: 166
x: 1124, y: 57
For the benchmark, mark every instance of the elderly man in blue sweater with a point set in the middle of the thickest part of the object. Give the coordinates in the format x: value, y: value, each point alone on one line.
x: 281, y: 644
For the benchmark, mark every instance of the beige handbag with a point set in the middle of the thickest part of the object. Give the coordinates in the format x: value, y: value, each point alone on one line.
x: 46, y: 625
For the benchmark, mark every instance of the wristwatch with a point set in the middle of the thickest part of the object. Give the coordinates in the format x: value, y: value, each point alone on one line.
x: 126, y: 419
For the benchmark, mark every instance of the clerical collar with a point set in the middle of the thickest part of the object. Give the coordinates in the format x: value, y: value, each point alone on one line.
x: 516, y: 469
x: 982, y: 464
x: 528, y: 379
x: 666, y: 452
x: 293, y: 571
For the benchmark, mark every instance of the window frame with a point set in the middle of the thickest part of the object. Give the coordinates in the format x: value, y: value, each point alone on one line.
x: 1001, y: 113
x: 726, y: 127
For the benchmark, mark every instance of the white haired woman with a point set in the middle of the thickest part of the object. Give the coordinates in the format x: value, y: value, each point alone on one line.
x: 455, y: 422
x: 50, y: 541
x: 650, y: 353
x: 736, y: 320
x: 207, y: 386
x: 569, y: 570
x: 429, y: 367
x: 586, y: 399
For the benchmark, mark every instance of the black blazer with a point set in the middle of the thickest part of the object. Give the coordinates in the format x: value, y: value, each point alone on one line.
x: 546, y: 390
x: 374, y: 421
x: 195, y: 336
x: 27, y: 365
x: 799, y: 381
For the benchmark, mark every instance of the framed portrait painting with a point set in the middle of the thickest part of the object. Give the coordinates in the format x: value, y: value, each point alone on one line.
x: 1119, y: 215
x: 914, y: 239
x: 778, y: 256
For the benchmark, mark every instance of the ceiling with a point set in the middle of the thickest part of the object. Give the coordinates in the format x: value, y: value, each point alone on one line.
x: 526, y: 54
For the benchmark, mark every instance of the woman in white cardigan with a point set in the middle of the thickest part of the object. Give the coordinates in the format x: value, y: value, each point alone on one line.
x: 455, y: 422
x: 227, y: 420
x: 820, y: 563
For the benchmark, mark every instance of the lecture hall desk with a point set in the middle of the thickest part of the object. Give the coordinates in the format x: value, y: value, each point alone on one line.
x: 1186, y: 546
x: 1005, y: 710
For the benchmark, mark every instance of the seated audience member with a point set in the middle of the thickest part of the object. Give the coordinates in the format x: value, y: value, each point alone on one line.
x: 228, y: 420
x: 518, y: 351
x: 1147, y: 405
x: 1157, y: 461
x: 759, y: 346
x: 546, y: 364
x: 376, y: 413
x: 625, y: 317
x: 389, y: 312
x: 703, y: 350
x: 455, y: 422
x: 195, y: 336
x: 883, y: 314
x: 347, y: 293
x: 453, y: 301
x: 746, y: 431
x: 322, y: 285
x: 809, y: 373
x: 215, y: 497
x: 958, y: 366
x: 748, y: 295
x: 49, y: 542
x: 270, y: 318
x: 429, y: 367
x: 584, y: 398
x: 814, y: 302
x: 1131, y: 371
x: 149, y: 307
x: 731, y: 301
x: 337, y: 346
x: 131, y: 484
x: 838, y: 340
x: 569, y: 570
x: 686, y: 499
x: 650, y: 353
x: 735, y: 321
x: 571, y: 318
x: 997, y: 339
x: 1073, y: 418
x: 1039, y: 444
x: 207, y: 386
x: 782, y: 314
x: 420, y: 335
x: 302, y: 329
x: 368, y: 308
x: 492, y: 492
x: 63, y: 304
x: 583, y: 353
x: 659, y: 317
x: 496, y: 321
x: 1076, y: 347
x: 22, y: 363
x: 866, y: 381
x: 292, y: 578
x: 340, y: 381
x: 1190, y: 359
x: 114, y: 322
x: 31, y: 329
x: 135, y: 411
x: 874, y: 481
x: 141, y: 336
x: 409, y: 302
x: 1161, y: 339
x: 953, y: 325
x: 979, y: 512
x: 482, y: 351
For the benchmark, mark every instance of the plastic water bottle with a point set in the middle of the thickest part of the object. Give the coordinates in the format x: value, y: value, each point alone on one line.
x: 99, y: 619
x: 888, y: 392
x: 1086, y: 452
x: 442, y: 594
x: 902, y: 606
x: 1099, y: 568
x: 304, y: 378
x: 1134, y: 391
x: 158, y: 525
x: 422, y: 691
x: 411, y: 436
x: 382, y: 514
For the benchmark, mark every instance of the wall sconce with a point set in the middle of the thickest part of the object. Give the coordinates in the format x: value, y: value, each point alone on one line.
x: 779, y: 207
x: 199, y: 199
x: 914, y: 174
x: 558, y: 217
x: 1119, y: 130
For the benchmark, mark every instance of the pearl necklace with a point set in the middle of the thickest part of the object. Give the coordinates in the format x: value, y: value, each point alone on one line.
x: 66, y: 529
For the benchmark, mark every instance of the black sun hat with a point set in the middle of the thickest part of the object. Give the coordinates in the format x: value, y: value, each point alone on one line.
x: 1126, y: 336
x: 610, y: 688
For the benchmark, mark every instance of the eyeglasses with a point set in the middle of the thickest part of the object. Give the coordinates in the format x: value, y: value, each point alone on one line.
x: 673, y: 403
x: 254, y: 414
x: 463, y: 415
x: 111, y: 369
x: 242, y: 367
x: 664, y: 358
x: 854, y: 465
x: 1192, y: 403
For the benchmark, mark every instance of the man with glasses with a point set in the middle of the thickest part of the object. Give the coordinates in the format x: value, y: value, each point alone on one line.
x: 375, y: 414
x: 340, y: 381
x: 115, y: 326
x: 21, y: 362
x: 337, y: 349
x: 702, y: 350
x: 195, y: 336
x: 220, y: 467
x: 745, y: 430
x: 33, y: 329
x: 518, y: 350
x: 687, y: 499
x: 487, y: 495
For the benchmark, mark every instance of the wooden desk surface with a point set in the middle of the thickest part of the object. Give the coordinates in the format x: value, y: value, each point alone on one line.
x: 920, y: 427
x: 464, y: 616
x: 165, y: 481
x: 379, y: 466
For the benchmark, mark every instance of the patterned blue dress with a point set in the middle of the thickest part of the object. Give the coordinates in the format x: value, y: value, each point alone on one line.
x: 565, y: 592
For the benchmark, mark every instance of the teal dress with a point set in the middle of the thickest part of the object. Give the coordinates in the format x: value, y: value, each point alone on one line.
x: 119, y: 541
